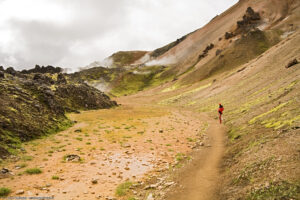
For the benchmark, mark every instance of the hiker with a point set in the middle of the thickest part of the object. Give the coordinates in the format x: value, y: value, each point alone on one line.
x: 221, y: 109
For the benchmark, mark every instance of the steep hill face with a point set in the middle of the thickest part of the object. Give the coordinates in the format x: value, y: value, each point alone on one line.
x: 34, y: 104
x: 230, y: 26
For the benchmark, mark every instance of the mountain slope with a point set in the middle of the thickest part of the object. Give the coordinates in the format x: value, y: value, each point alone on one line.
x: 34, y: 104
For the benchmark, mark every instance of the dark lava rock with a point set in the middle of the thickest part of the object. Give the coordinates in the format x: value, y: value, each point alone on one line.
x: 292, y: 63
x: 1, y: 68
x: 38, y: 69
x: 61, y: 78
x: 73, y: 158
x: 205, y: 51
x: 249, y: 20
x: 11, y: 71
x: 229, y: 35
x: 4, y: 171
x: 41, y: 78
x: 2, y: 74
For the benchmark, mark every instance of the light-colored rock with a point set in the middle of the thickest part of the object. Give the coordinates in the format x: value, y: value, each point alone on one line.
x: 150, y: 197
x: 18, y: 192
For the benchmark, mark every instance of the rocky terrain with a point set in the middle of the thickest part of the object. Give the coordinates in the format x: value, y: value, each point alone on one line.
x: 34, y: 103
x: 165, y: 142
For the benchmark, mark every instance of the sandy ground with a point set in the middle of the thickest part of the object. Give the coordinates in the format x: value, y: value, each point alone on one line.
x: 128, y: 143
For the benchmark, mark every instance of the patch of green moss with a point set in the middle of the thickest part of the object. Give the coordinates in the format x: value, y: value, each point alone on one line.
x: 276, y: 190
x: 63, y: 124
x: 177, y: 98
x: 252, y: 121
x: 123, y: 188
x: 276, y: 124
x: 138, y: 79
x: 4, y: 191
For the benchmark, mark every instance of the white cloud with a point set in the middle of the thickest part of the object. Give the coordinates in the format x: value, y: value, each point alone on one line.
x: 74, y: 33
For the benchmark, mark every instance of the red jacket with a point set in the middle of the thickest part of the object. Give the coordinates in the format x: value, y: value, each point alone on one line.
x: 221, y: 110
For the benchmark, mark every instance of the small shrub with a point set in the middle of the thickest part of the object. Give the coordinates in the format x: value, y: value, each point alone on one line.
x: 33, y: 171
x: 22, y: 165
x: 179, y: 156
x: 4, y: 191
x: 123, y: 188
x: 55, y: 177
x: 27, y: 158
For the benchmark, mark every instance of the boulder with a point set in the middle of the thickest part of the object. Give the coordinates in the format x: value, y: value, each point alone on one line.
x: 11, y: 71
x: 229, y: 35
x: 2, y: 74
x: 61, y: 78
x: 73, y: 158
x: 292, y: 63
x: 41, y: 78
x: 249, y: 20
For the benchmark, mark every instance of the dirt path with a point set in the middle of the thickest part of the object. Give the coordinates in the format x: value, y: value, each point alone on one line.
x: 200, y: 179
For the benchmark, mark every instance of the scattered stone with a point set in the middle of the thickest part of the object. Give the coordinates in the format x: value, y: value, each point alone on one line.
x: 5, y: 171
x: 292, y: 63
x: 94, y: 181
x: 150, y: 197
x: 61, y: 78
x: 93, y: 162
x: 73, y: 158
x: 152, y: 186
x: 167, y: 184
x: 161, y: 131
x: 19, y: 192
x: 2, y: 74
x: 229, y: 35
x: 78, y: 131
x: 126, y: 145
x: 11, y: 71
x: 205, y: 51
x: 110, y: 198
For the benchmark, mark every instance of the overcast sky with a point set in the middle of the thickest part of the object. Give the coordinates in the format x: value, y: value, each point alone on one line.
x: 74, y: 33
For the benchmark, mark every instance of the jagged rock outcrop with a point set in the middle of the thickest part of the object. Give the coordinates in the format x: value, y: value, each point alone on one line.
x: 229, y: 35
x: 2, y: 74
x: 38, y: 69
x: 249, y: 21
x: 205, y: 51
x: 11, y: 70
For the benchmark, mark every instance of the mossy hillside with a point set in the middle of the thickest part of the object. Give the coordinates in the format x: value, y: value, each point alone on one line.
x: 123, y: 58
x: 139, y: 79
x: 97, y: 74
x: 244, y: 49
